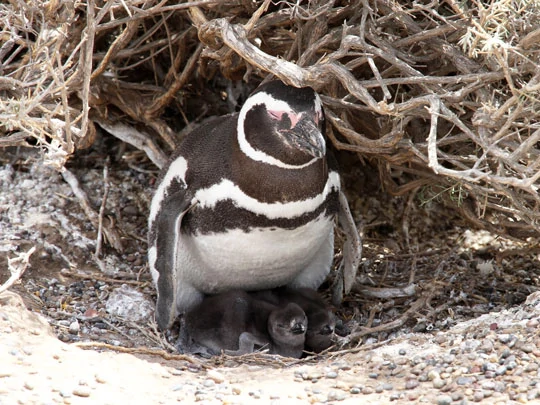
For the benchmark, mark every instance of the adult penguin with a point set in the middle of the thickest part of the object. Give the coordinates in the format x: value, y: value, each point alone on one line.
x: 248, y: 201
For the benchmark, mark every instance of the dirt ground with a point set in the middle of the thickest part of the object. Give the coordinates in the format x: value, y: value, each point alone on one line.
x: 439, y: 314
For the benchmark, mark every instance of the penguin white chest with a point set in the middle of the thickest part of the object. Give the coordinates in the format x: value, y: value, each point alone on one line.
x: 258, y: 259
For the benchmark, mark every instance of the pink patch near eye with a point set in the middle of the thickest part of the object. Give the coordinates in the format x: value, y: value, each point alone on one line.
x: 278, y: 115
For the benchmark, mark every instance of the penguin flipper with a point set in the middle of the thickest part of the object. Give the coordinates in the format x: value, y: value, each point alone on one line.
x: 352, y: 252
x: 167, y: 233
x: 246, y: 344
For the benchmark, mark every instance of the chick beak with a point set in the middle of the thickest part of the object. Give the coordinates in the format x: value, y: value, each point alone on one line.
x: 298, y: 329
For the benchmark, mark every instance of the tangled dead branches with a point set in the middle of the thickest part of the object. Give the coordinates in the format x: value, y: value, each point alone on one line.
x: 442, y: 95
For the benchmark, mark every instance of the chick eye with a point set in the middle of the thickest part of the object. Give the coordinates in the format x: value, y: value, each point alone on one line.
x: 326, y: 330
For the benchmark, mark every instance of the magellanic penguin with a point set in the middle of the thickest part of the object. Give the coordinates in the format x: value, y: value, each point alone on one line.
x: 248, y: 202
x: 237, y: 323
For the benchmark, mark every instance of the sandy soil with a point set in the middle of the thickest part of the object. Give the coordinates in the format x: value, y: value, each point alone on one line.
x: 37, y: 368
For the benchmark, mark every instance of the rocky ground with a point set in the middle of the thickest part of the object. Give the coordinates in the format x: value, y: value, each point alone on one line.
x: 440, y: 314
x: 493, y: 359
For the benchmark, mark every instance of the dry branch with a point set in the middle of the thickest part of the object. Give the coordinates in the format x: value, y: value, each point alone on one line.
x: 17, y: 266
x: 446, y: 92
x: 110, y: 233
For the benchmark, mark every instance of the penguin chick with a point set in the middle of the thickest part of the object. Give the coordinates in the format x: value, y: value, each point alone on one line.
x: 237, y: 323
x: 321, y: 320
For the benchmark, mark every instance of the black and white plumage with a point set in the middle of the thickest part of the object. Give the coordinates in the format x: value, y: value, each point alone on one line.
x: 237, y: 323
x: 248, y: 201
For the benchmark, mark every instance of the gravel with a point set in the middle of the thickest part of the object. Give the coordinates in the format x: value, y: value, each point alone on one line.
x: 440, y: 368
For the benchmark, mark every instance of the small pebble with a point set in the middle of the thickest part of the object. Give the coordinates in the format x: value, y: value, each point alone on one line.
x: 501, y: 370
x: 83, y: 392
x: 488, y: 385
x: 533, y: 323
x: 533, y: 394
x: 65, y: 394
x: 314, y: 375
x: 511, y: 365
x: 215, y: 375
x: 74, y: 328
x: 331, y: 374
x: 438, y: 383
x: 130, y: 210
x: 504, y: 338
x: 28, y: 385
x: 27, y: 351
x: 478, y: 396
x: 411, y: 384
x: 506, y: 353
x: 336, y: 395
x: 367, y: 390
x: 255, y: 394
x: 456, y: 396
x: 465, y: 380
x: 355, y: 390
x: 521, y: 398
x: 100, y: 379
x: 527, y: 348
x: 444, y: 400
x: 318, y: 398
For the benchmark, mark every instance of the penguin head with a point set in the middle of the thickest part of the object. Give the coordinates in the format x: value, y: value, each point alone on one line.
x: 320, y: 333
x: 288, y: 325
x: 283, y: 126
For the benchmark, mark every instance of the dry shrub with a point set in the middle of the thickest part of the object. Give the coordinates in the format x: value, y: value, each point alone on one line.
x: 442, y: 95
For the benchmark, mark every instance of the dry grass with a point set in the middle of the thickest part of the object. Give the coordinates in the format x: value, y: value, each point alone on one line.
x: 443, y: 96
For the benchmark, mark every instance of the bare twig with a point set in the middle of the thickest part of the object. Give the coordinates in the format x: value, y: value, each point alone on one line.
x: 17, y: 266
x: 140, y: 350
x: 385, y: 293
x: 137, y: 138
x: 99, y: 238
x: 411, y: 311
x: 112, y: 236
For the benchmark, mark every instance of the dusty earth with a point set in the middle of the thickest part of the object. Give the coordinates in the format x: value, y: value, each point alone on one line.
x: 440, y: 313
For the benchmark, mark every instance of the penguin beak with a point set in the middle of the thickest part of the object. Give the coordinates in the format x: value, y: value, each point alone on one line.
x: 326, y: 330
x: 306, y: 135
x: 298, y: 329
